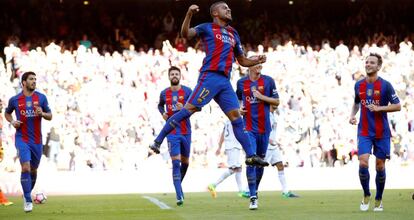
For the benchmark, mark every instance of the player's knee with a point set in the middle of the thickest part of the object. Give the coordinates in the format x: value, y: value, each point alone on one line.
x: 184, y: 160
x: 26, y: 167
x: 191, y: 108
x: 380, y: 165
x: 279, y: 166
x: 235, y: 169
x: 176, y: 157
x: 233, y: 114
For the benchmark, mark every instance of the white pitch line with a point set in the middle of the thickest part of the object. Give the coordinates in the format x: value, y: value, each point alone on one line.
x: 157, y: 202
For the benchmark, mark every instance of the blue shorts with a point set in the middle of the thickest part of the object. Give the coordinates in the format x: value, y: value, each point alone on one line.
x: 259, y: 143
x: 29, y: 152
x: 179, y: 144
x: 381, y: 146
x: 214, y: 85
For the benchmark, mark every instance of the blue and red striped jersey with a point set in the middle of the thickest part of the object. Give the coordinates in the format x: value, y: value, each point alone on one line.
x: 221, y: 44
x: 381, y: 93
x: 168, y: 103
x: 257, y: 117
x: 30, y: 131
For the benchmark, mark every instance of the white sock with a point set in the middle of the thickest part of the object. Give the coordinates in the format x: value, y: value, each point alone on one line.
x: 282, y: 180
x: 239, y: 181
x: 223, y: 176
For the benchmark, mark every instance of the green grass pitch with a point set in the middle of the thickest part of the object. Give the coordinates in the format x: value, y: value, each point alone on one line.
x: 318, y: 205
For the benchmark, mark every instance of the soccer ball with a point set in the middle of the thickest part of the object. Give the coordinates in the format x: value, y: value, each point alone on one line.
x: 40, y: 198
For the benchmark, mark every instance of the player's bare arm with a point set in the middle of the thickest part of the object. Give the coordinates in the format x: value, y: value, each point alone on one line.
x: 15, y: 123
x: 388, y: 108
x: 221, y: 140
x: 247, y: 62
x: 267, y: 99
x: 352, y: 118
x: 45, y: 115
x: 186, y: 31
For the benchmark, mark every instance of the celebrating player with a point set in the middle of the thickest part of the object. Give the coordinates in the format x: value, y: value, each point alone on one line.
x: 172, y: 99
x: 257, y: 93
x: 30, y: 107
x: 222, y: 45
x: 232, y: 150
x: 373, y: 95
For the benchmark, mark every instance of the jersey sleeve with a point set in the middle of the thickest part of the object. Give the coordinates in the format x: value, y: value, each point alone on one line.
x: 273, y: 90
x: 391, y: 96
x: 200, y: 29
x: 10, y: 107
x: 45, y: 105
x: 161, y: 103
x: 238, y: 48
x: 239, y: 90
x: 188, y: 94
x: 357, y: 99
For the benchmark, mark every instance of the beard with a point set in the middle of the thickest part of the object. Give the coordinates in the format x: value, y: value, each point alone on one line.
x: 175, y: 82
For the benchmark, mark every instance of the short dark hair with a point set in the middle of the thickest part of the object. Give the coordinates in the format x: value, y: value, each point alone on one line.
x: 214, y: 5
x: 26, y: 75
x: 173, y: 68
x: 379, y: 57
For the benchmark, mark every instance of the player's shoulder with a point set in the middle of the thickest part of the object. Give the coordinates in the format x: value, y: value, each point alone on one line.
x: 186, y: 88
x: 267, y: 78
x: 204, y: 25
x: 242, y: 79
x: 358, y: 82
x: 16, y: 97
x: 384, y: 81
x: 40, y: 95
x: 164, y: 90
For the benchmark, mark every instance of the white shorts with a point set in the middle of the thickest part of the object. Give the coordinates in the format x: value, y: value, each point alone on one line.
x: 233, y: 158
x: 273, y: 156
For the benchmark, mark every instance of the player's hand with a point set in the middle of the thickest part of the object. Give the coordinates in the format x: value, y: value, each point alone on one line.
x: 193, y: 9
x: 39, y: 111
x: 242, y: 110
x: 179, y: 106
x: 261, y: 59
x: 257, y: 94
x: 373, y: 108
x: 353, y: 120
x: 1, y: 154
x: 16, y: 124
x: 165, y: 116
x: 218, y: 151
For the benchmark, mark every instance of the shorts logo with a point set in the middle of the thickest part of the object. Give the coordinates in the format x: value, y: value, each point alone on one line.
x: 199, y: 100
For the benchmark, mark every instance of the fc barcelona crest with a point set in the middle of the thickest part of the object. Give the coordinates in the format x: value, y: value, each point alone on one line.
x: 180, y: 97
x: 369, y: 92
x: 377, y: 92
x: 261, y: 88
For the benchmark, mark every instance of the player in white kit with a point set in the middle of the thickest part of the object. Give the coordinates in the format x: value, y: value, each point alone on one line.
x: 234, y: 163
x: 274, y: 156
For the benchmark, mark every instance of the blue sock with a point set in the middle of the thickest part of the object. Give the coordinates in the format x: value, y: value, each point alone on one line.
x: 259, y: 174
x: 172, y: 123
x: 242, y: 137
x: 177, y: 178
x: 364, y: 178
x: 26, y: 182
x: 251, y: 180
x: 184, y: 167
x: 33, y: 175
x: 380, y: 182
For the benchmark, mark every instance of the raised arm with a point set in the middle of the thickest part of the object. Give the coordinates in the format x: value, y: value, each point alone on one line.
x: 246, y: 62
x: 186, y: 31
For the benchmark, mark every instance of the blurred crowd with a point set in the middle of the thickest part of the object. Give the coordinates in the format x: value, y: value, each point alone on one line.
x: 105, y: 104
